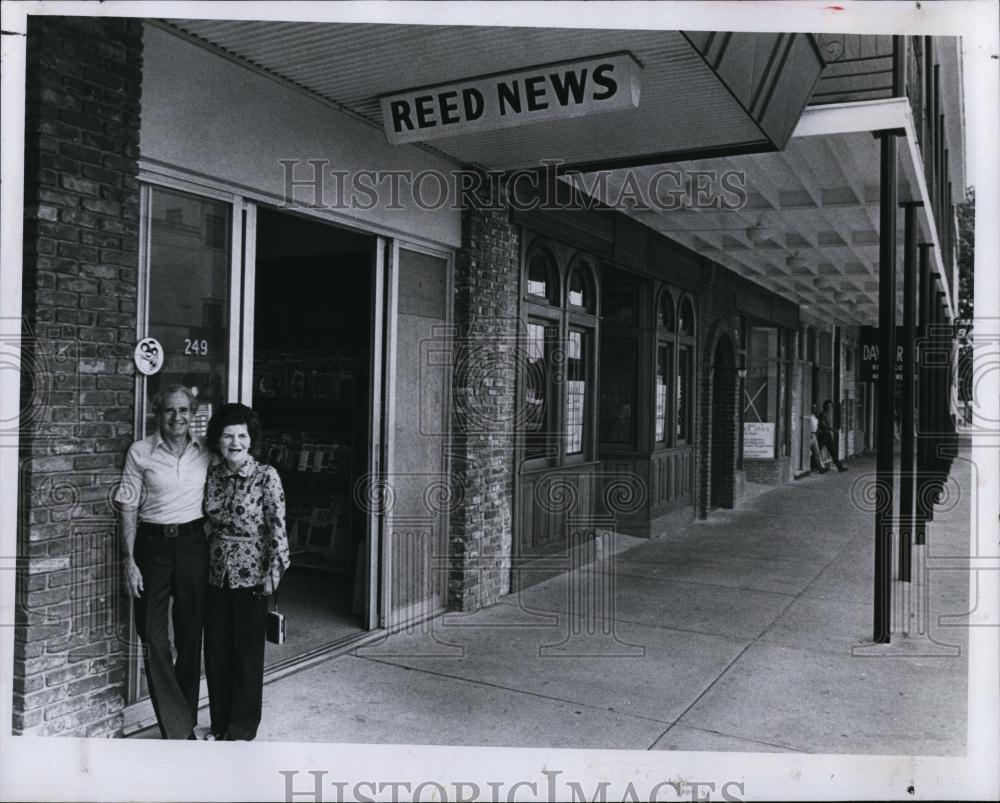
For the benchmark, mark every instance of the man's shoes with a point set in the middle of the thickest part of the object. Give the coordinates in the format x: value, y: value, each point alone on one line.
x: 841, y: 468
x: 824, y: 470
x: 214, y: 737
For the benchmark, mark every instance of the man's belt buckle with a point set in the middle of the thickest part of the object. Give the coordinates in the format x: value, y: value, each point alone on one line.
x: 171, y: 530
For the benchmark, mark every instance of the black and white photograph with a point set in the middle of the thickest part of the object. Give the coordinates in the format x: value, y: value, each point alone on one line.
x: 500, y: 401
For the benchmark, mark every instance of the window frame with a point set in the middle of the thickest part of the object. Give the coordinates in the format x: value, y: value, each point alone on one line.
x: 561, y: 318
x: 555, y: 292
x: 685, y: 341
x: 666, y: 337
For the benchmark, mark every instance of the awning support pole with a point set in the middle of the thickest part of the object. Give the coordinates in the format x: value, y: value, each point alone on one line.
x: 924, y: 398
x: 884, y: 468
x: 906, y: 516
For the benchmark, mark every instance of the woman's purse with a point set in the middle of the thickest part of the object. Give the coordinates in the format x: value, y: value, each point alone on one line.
x: 275, y: 626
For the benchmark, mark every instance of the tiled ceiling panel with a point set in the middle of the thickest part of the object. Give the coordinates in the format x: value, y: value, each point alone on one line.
x: 815, y: 228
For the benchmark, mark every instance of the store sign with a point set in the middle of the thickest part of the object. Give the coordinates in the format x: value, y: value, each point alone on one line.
x: 506, y: 100
x: 148, y: 356
x: 758, y: 439
x: 869, y: 347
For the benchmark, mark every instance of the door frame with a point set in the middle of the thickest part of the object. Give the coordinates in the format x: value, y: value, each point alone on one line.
x: 242, y: 284
x: 138, y: 712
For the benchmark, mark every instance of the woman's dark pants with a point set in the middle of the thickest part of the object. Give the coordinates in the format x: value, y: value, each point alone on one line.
x: 172, y: 568
x: 234, y: 660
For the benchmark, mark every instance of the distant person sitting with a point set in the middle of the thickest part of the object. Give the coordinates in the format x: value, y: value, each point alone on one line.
x: 827, y: 435
x: 816, y: 456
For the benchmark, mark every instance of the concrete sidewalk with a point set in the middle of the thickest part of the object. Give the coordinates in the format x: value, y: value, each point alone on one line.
x: 735, y: 633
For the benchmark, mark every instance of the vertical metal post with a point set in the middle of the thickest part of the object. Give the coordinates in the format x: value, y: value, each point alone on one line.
x: 927, y: 141
x: 939, y: 177
x: 941, y: 345
x: 936, y: 129
x: 884, y: 468
x: 898, y: 66
x: 906, y: 517
x: 923, y: 399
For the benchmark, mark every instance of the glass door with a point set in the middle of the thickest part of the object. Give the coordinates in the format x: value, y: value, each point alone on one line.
x: 188, y: 299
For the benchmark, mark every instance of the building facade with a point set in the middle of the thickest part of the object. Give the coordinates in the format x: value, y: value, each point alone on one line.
x: 469, y: 365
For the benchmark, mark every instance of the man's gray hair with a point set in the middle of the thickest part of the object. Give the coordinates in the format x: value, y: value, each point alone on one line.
x: 170, y: 390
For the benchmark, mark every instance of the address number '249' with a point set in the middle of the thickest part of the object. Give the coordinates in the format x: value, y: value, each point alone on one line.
x: 199, y: 347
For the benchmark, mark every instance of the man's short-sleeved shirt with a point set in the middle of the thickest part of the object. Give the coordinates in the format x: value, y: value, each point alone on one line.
x: 163, y: 487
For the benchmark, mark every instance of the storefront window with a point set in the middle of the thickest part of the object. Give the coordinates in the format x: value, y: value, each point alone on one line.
x: 576, y: 389
x: 663, y: 353
x: 761, y: 395
x: 685, y: 318
x: 541, y: 275
x: 683, y: 397
x: 188, y: 307
x: 665, y: 312
x: 765, y: 399
x: 537, y: 386
x: 580, y: 294
x: 556, y: 387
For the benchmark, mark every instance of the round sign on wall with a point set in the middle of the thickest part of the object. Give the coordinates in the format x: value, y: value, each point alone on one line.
x: 148, y: 356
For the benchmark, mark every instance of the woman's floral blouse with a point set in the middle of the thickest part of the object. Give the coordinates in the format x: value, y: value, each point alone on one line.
x: 246, y: 514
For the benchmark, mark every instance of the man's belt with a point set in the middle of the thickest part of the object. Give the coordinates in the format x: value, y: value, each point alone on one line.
x: 172, y: 530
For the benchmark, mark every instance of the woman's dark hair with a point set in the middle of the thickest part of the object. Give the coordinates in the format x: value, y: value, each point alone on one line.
x: 229, y: 415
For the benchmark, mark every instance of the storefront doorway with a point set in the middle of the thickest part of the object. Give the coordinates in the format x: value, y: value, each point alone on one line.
x: 340, y: 340
x: 312, y: 322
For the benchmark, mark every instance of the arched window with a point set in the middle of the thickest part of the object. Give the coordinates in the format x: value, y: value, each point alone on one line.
x: 683, y: 396
x: 686, y: 318
x: 665, y: 316
x: 559, y: 308
x: 542, y: 276
x: 580, y: 294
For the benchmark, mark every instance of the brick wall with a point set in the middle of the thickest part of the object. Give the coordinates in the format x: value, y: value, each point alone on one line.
x: 80, y: 261
x: 486, y: 292
x: 717, y: 316
x: 723, y: 441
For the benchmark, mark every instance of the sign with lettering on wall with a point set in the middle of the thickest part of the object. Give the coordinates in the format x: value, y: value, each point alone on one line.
x: 869, y: 347
x: 504, y: 100
x: 758, y: 439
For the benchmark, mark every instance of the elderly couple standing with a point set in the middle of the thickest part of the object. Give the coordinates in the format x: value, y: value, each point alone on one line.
x: 203, y: 526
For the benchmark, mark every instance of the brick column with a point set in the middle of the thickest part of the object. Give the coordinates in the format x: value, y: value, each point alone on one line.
x: 486, y: 308
x: 80, y: 263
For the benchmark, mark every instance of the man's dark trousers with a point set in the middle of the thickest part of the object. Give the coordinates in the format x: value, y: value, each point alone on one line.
x: 172, y: 568
x: 828, y: 438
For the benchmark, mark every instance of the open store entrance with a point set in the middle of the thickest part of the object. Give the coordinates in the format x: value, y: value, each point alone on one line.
x: 312, y: 328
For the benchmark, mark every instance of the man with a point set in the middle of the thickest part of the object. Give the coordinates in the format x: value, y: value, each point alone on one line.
x: 827, y: 435
x: 815, y: 454
x: 166, y: 555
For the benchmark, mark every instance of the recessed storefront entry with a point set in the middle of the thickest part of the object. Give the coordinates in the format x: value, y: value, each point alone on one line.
x: 311, y: 384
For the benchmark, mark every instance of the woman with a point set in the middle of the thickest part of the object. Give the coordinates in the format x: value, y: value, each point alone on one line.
x: 248, y: 554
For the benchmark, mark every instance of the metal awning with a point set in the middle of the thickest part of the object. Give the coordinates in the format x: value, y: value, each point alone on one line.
x: 703, y: 94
